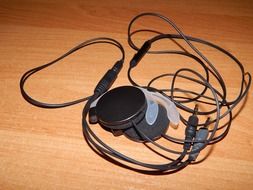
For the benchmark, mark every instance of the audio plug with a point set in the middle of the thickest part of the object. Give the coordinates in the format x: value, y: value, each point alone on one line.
x: 200, y: 139
x: 190, y: 130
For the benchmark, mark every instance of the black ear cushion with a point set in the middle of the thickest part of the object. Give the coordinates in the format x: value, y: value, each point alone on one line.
x: 117, y: 108
x: 153, y: 132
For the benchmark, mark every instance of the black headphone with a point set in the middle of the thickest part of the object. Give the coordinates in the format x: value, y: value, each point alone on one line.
x: 143, y: 113
x: 122, y: 109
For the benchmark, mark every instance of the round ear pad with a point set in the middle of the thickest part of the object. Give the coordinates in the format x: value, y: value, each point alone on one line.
x: 121, y: 106
x: 153, y: 131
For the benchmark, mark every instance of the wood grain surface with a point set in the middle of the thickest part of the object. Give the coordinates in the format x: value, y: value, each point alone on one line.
x: 45, y: 149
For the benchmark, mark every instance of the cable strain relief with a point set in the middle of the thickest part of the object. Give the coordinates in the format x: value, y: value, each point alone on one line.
x: 118, y: 66
x: 133, y: 63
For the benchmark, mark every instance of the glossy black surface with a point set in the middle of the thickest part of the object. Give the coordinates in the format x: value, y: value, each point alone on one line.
x: 119, y: 106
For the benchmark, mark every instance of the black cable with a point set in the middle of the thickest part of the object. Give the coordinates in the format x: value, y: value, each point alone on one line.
x: 29, y: 73
x: 220, y: 106
x: 209, y: 68
x: 171, y: 23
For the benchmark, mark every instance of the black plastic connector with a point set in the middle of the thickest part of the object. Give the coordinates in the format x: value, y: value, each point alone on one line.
x: 139, y: 55
x: 190, y: 130
x: 108, y: 79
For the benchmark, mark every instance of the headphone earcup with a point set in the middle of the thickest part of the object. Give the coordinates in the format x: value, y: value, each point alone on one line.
x: 153, y: 131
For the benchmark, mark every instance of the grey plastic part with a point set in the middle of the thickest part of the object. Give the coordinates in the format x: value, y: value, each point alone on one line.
x: 94, y: 103
x: 172, y: 113
x: 201, y: 135
x: 152, y: 112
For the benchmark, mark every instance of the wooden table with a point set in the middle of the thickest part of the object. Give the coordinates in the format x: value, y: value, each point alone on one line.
x: 45, y: 149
